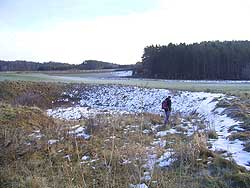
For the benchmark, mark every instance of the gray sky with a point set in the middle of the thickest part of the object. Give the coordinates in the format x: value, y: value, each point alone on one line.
x: 112, y: 30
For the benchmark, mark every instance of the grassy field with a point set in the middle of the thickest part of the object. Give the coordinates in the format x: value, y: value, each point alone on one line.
x: 105, y: 77
x: 38, y: 151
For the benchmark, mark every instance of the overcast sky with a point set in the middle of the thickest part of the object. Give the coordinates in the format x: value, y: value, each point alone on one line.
x: 113, y: 30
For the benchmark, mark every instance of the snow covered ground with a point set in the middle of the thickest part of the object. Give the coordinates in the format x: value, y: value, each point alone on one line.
x: 122, y: 73
x: 123, y: 99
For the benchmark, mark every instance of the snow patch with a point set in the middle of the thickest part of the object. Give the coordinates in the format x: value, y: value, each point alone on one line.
x: 124, y: 99
x: 50, y: 142
x: 85, y: 158
x: 166, y: 159
x: 122, y: 73
x: 80, y: 132
x: 143, y: 185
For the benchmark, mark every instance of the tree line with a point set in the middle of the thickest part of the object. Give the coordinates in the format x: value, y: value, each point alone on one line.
x: 205, y: 60
x: 55, y: 66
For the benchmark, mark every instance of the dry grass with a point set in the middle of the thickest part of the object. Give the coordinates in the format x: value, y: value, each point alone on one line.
x: 212, y: 134
x: 40, y: 94
x: 28, y: 161
x: 117, y: 151
x: 115, y: 154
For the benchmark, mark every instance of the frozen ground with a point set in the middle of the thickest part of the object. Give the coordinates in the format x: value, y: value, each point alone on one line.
x: 122, y: 73
x: 218, y: 81
x: 115, y: 99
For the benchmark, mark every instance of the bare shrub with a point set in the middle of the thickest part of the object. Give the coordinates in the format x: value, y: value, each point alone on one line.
x: 28, y: 99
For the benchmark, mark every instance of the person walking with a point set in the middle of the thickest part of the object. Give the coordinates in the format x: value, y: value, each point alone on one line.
x: 166, y: 106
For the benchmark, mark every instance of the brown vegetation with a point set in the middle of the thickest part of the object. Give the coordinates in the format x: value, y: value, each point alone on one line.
x: 114, y: 155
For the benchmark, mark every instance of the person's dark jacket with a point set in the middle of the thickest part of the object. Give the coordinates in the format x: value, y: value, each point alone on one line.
x: 169, y: 103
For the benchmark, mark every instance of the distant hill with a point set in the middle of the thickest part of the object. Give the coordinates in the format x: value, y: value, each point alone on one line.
x: 94, y: 64
x: 20, y: 65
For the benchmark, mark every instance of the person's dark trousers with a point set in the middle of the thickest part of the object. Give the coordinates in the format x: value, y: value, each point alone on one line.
x: 167, y: 114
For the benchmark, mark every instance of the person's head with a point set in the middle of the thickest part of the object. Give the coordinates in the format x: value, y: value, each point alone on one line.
x: 169, y: 97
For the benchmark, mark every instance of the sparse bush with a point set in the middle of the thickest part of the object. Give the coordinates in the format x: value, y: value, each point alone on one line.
x: 237, y: 180
x: 39, y: 94
x: 221, y: 166
x: 186, y: 152
x: 212, y: 134
x: 27, y: 99
x: 240, y: 135
x: 247, y: 146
